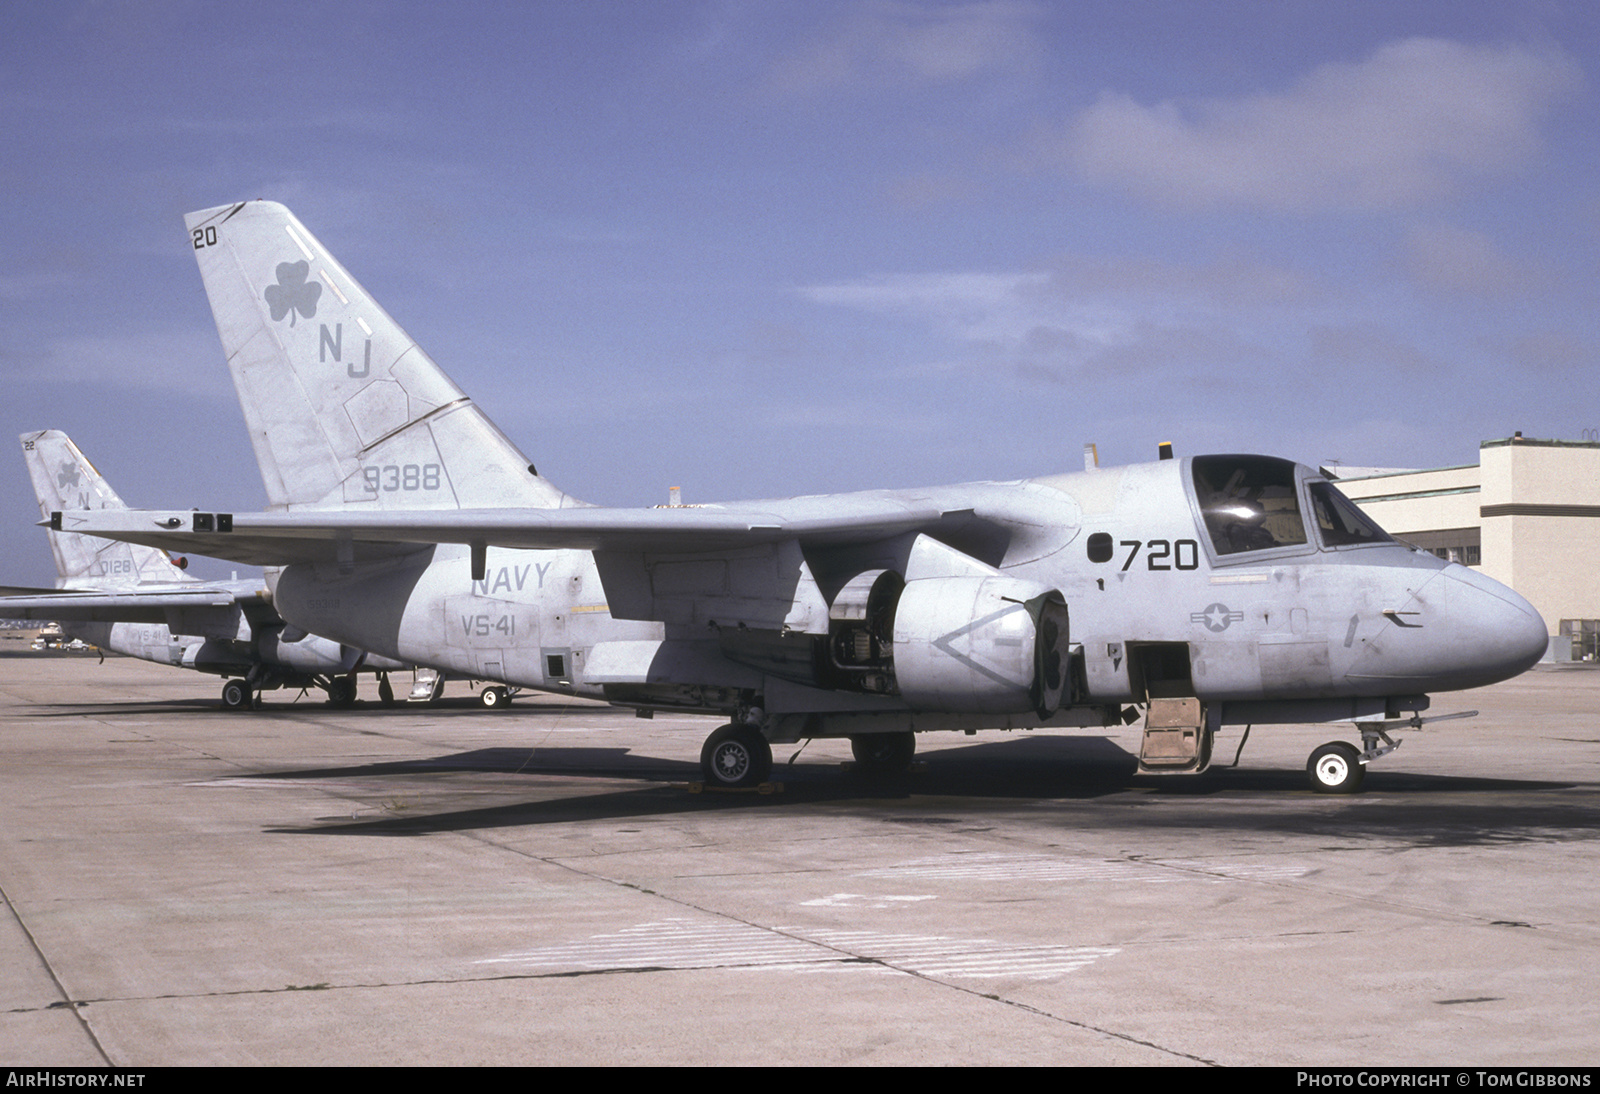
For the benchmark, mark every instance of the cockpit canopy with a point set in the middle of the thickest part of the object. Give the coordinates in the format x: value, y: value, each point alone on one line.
x: 1253, y: 503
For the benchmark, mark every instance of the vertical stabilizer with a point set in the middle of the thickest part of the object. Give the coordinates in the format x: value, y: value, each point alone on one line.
x: 344, y: 409
x: 63, y: 479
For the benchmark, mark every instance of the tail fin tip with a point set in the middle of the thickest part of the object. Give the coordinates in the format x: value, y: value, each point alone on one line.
x: 344, y: 408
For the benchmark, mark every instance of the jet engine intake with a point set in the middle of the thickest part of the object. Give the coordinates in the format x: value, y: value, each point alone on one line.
x: 986, y: 645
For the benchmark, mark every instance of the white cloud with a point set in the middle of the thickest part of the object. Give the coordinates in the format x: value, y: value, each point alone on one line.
x: 171, y: 360
x: 1455, y: 259
x: 915, y: 43
x: 1547, y: 353
x: 1361, y: 349
x: 976, y: 307
x: 33, y: 284
x: 1409, y: 123
x: 1090, y: 318
x: 1078, y: 308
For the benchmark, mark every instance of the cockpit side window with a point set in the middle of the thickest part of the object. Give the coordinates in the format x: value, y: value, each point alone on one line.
x: 1249, y: 503
x: 1339, y: 522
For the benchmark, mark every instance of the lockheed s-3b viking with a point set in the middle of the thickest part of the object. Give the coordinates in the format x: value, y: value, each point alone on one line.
x: 138, y: 602
x: 1210, y: 590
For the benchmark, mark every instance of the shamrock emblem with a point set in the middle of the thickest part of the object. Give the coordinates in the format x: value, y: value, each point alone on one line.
x: 67, y: 475
x: 292, y: 293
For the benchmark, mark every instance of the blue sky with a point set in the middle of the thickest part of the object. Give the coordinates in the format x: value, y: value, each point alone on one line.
x: 758, y: 248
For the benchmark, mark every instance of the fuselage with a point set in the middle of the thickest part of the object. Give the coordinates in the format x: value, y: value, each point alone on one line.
x: 221, y: 640
x: 1229, y: 578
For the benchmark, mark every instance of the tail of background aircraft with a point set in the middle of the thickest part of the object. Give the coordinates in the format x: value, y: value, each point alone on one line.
x: 63, y: 478
x: 344, y: 409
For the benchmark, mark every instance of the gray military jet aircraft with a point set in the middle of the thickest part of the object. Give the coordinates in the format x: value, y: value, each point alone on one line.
x: 1212, y: 590
x: 136, y: 601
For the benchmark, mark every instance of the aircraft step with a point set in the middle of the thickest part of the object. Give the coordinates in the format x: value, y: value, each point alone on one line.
x: 1177, y: 740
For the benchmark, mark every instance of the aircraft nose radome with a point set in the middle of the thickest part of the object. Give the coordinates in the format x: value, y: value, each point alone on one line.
x: 1510, y: 636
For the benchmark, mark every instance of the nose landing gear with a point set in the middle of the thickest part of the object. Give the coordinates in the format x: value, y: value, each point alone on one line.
x: 1338, y: 768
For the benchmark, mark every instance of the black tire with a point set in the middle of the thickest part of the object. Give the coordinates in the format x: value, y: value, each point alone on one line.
x: 1336, y: 768
x: 341, y: 692
x: 736, y: 756
x: 884, y: 753
x: 236, y: 695
x: 495, y: 697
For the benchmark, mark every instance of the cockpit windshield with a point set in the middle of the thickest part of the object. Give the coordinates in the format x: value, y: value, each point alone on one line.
x: 1249, y: 502
x: 1339, y: 522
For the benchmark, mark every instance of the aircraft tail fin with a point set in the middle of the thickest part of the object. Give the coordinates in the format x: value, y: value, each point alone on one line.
x: 63, y: 479
x: 344, y: 409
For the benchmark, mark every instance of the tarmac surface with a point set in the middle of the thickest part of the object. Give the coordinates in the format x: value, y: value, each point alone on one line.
x: 445, y: 885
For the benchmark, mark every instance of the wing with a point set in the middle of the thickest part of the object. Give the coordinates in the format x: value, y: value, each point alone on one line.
x: 277, y: 539
x: 112, y: 606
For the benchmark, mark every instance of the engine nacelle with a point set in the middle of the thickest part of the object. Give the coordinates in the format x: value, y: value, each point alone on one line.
x: 312, y: 654
x: 985, y: 645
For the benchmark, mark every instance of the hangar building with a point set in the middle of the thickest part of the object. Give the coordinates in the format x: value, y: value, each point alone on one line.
x: 1527, y: 514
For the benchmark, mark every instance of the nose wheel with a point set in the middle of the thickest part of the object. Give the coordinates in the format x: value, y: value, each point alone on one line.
x: 1336, y: 768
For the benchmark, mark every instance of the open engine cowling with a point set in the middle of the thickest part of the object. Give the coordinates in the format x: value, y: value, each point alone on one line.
x: 987, y: 645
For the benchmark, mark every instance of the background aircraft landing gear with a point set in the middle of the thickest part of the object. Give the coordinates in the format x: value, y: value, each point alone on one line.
x: 236, y: 695
x: 1336, y: 768
x: 495, y: 697
x: 385, y: 690
x: 736, y: 756
x: 341, y: 692
x: 883, y: 753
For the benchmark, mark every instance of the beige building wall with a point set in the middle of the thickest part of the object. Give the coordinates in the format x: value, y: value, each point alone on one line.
x: 1541, y: 510
x: 1532, y: 506
x: 1418, y: 501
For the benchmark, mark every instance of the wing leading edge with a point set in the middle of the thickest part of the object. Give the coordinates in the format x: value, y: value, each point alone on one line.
x: 281, y: 539
x: 112, y: 606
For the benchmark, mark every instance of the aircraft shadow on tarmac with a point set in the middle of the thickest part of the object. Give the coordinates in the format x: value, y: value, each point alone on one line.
x: 1084, y: 781
x: 290, y: 701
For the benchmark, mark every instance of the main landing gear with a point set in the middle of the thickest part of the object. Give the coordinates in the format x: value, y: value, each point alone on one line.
x: 236, y: 695
x: 883, y: 753
x: 735, y: 757
x: 342, y: 691
x: 495, y: 697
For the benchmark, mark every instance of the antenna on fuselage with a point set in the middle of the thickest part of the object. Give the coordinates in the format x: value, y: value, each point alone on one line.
x: 1165, y: 450
x: 1091, y: 457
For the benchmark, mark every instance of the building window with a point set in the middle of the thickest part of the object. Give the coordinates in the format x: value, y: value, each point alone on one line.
x: 1585, y: 636
x: 1463, y: 545
x: 1467, y: 554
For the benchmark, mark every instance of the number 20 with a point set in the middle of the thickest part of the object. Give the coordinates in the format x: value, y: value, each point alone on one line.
x: 1184, y: 554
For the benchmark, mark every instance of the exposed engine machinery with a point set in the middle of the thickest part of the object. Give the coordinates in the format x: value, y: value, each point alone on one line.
x: 978, y: 644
